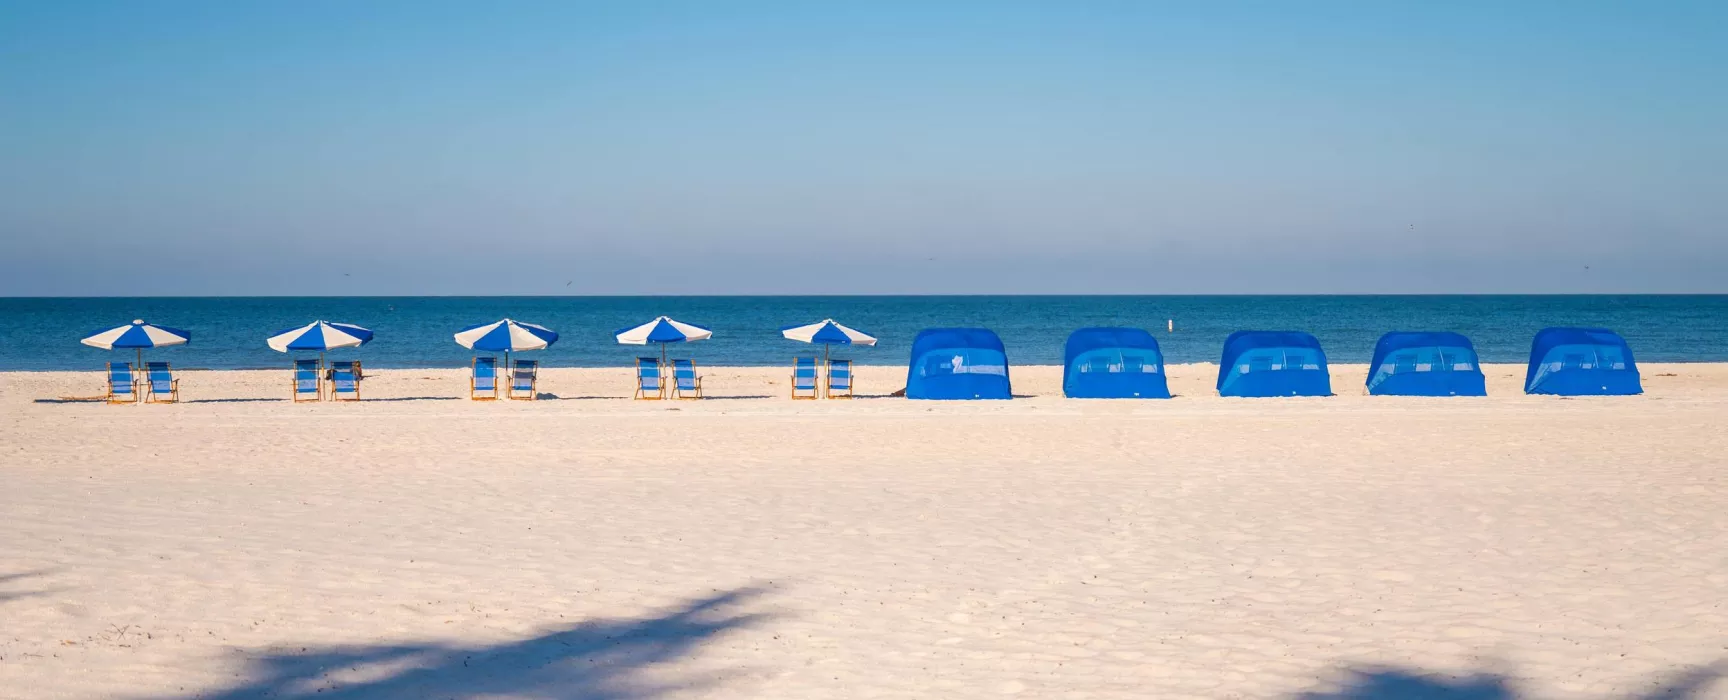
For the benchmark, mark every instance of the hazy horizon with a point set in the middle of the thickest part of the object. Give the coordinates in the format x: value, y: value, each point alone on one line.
x: 848, y: 296
x: 749, y: 148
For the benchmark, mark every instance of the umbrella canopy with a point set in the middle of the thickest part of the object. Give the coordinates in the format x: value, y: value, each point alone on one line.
x: 506, y: 336
x: 662, y: 330
x: 320, y: 336
x: 827, y: 332
x: 137, y: 334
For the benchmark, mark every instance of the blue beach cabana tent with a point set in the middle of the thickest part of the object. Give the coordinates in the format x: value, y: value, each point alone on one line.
x: 1411, y: 363
x: 958, y: 363
x: 1581, y: 362
x: 1113, y: 363
x: 1260, y: 364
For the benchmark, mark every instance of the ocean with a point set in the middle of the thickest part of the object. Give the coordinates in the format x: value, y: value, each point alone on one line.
x: 229, y: 333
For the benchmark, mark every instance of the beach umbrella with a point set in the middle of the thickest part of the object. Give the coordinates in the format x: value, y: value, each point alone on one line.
x: 506, y: 336
x: 662, y: 330
x: 138, y: 335
x: 827, y: 332
x: 320, y: 336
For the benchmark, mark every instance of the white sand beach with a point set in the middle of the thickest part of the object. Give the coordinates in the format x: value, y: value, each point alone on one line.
x: 419, y: 545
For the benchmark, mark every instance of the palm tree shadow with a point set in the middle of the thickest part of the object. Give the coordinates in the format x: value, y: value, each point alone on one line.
x: 598, y: 659
x: 1410, y: 684
x: 8, y: 596
x: 1389, y: 683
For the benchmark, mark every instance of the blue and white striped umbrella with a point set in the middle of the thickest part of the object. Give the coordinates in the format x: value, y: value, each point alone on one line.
x: 320, y: 336
x: 827, y: 332
x: 137, y: 334
x: 662, y: 330
x: 506, y: 336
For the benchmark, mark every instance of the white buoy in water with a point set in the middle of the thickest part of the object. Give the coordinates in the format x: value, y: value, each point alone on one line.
x: 1171, y: 324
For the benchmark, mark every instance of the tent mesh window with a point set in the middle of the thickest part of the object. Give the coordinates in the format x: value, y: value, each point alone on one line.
x: 962, y: 361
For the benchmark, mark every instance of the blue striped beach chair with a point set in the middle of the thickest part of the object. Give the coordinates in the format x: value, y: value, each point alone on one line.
x: 804, y: 377
x: 345, y: 376
x: 839, y: 379
x: 308, y: 381
x: 650, y: 384
x: 122, y: 386
x: 483, y: 379
x: 686, y: 383
x: 162, y: 386
x: 523, y: 377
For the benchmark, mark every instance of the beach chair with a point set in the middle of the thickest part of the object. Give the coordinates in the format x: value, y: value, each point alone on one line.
x: 307, y: 382
x: 522, y: 379
x: 483, y: 379
x: 345, y: 379
x: 122, y: 386
x: 686, y: 384
x: 162, y: 386
x: 804, y: 377
x: 839, y: 379
x: 650, y: 384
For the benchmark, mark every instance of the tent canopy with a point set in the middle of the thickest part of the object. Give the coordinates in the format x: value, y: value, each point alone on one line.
x: 1425, y: 363
x: 1273, y: 363
x: 1113, y: 363
x: 958, y: 363
x: 1581, y: 362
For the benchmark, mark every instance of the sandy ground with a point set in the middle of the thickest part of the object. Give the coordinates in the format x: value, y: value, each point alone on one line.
x: 418, y: 545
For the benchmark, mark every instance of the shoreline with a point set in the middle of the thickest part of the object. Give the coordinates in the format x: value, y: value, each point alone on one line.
x: 1189, y: 383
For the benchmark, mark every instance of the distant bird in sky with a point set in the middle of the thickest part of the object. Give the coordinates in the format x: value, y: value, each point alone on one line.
x: 568, y: 283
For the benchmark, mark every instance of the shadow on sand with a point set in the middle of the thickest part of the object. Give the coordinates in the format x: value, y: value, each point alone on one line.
x: 235, y: 401
x: 600, y: 659
x: 1409, y: 684
x: 7, y: 579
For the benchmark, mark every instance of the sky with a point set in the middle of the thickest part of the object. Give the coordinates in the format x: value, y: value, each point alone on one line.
x: 1136, y: 147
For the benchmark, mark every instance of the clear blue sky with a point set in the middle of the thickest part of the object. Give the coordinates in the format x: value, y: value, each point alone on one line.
x: 862, y: 147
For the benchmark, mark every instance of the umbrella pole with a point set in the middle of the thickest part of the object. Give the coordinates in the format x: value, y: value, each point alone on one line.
x: 136, y: 395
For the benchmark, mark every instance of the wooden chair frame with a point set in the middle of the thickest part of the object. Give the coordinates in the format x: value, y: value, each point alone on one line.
x: 114, y: 398
x: 317, y: 383
x: 473, y: 382
x: 150, y: 395
x: 533, y: 381
x: 642, y: 392
x: 828, y: 381
x: 695, y: 380
x: 358, y: 376
x: 815, y: 379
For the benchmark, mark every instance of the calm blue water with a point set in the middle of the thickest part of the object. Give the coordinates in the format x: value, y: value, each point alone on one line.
x: 38, y: 334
